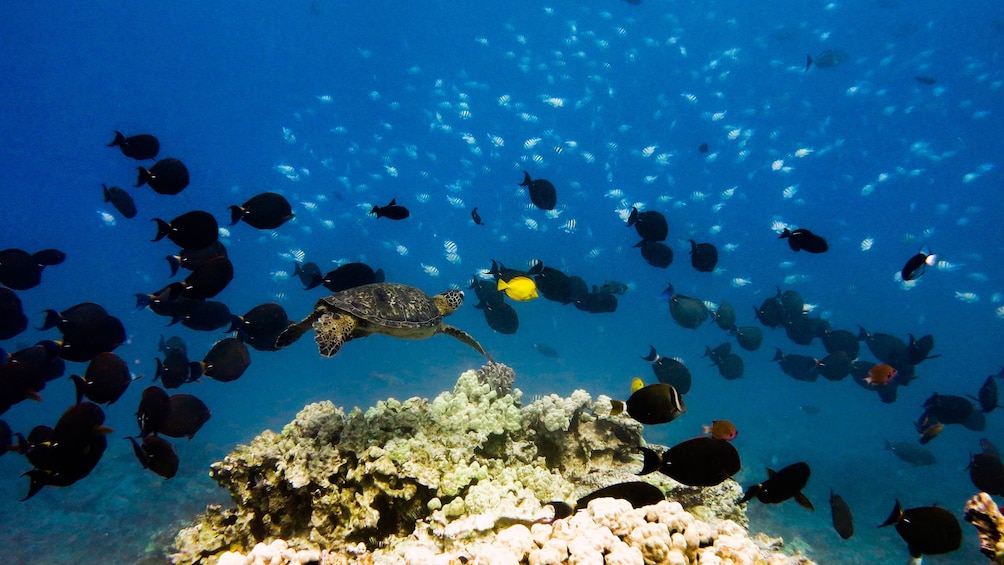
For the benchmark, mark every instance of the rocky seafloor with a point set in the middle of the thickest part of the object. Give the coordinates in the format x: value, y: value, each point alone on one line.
x: 465, y: 477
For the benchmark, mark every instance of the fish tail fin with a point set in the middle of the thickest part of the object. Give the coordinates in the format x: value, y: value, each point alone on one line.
x: 143, y: 178
x: 174, y: 262
x: 502, y: 285
x: 750, y: 493
x: 235, y: 323
x: 652, y: 461
x: 894, y: 517
x: 296, y: 269
x: 37, y: 477
x: 119, y: 140
x: 137, y: 450
x: 105, y: 193
x: 786, y: 233
x: 562, y: 509
x: 537, y: 268
x: 79, y: 385
x: 778, y: 356
x: 160, y: 369
x: 163, y: 228
x: 862, y: 334
x: 236, y: 213
x: 142, y: 300
x: 633, y: 218
x: 196, y: 369
x: 808, y: 62
x: 526, y: 179
x: 51, y: 319
x: 376, y: 210
x: 653, y: 355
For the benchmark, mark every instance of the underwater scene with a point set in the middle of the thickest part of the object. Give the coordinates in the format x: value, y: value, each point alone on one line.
x: 773, y: 226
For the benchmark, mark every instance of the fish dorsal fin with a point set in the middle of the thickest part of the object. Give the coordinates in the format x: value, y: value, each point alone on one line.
x: 804, y: 501
x: 393, y: 202
x: 771, y: 473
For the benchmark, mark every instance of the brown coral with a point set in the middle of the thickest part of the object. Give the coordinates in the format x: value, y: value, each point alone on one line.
x: 982, y: 512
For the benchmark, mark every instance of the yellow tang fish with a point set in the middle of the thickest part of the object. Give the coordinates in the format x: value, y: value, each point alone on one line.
x: 519, y: 288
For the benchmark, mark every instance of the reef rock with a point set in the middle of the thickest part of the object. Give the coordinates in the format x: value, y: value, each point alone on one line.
x: 467, y: 475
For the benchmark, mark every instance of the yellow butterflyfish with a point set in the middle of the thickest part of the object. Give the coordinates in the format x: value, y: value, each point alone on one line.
x: 637, y: 384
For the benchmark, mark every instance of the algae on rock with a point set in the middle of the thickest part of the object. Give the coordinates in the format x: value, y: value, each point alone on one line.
x: 449, y: 468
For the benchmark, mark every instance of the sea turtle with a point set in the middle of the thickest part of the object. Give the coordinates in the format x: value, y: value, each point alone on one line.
x: 392, y: 309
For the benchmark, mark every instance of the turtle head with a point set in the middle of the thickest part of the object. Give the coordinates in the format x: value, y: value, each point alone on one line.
x: 448, y: 302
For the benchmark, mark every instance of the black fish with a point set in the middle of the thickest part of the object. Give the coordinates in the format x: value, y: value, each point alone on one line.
x: 798, y: 367
x: 655, y: 253
x: 703, y: 256
x: 12, y: 318
x: 702, y: 148
x: 925, y: 79
x: 835, y: 366
x: 987, y: 473
x: 638, y: 493
x: 206, y: 316
x: 167, y: 176
x: 351, y: 275
x: 175, y: 370
x: 670, y: 371
x: 830, y: 58
x: 21, y: 270
x: 927, y: 530
x: 547, y: 350
x: 84, y: 341
x: 264, y: 321
x: 69, y: 451
x: 730, y: 366
x: 987, y: 395
x: 139, y: 147
x: 120, y: 199
x: 391, y: 211
x: 205, y: 282
x: 501, y: 317
x: 265, y: 211
x: 650, y: 225
x: 542, y: 192
x: 800, y: 330
x: 725, y: 316
x: 106, y: 378
x: 782, y: 485
x: 655, y: 404
x: 841, y: 340
x: 916, y: 265
x: 154, y: 406
x: 748, y: 337
x: 226, y: 361
x: 919, y: 350
x: 83, y: 313
x: 309, y: 274
x: 488, y: 293
x: 476, y: 217
x: 156, y: 454
x: 688, y: 312
x: 886, y: 348
x: 697, y: 462
x: 596, y: 302
x: 191, y: 259
x: 803, y: 239
x: 843, y: 522
x: 911, y: 453
x: 173, y: 342
x: 717, y: 353
x: 950, y: 409
x: 191, y: 230
x: 41, y: 360
x: 792, y: 304
x: 771, y: 312
x: 185, y: 417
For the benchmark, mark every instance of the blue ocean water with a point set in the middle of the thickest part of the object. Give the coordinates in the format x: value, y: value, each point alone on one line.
x: 439, y: 106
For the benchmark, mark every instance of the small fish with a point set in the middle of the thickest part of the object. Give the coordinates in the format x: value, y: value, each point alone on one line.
x: 880, y: 374
x: 476, y: 217
x: 843, y: 522
x: 547, y: 351
x: 927, y: 530
x: 542, y: 192
x: 519, y: 288
x: 391, y: 211
x: 156, y: 454
x: 721, y: 429
x: 120, y: 199
x: 139, y: 147
x: 803, y: 239
x: 925, y: 79
x: 916, y: 265
x: 703, y: 256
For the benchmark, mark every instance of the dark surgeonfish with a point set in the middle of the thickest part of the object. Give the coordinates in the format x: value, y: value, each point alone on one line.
x: 12, y: 318
x: 829, y: 58
x: 782, y: 485
x: 105, y: 380
x: 309, y: 274
x: 553, y: 285
x: 841, y: 340
x: 68, y: 452
x: 686, y: 311
x: 206, y: 316
x: 191, y: 230
x: 265, y: 211
x: 916, y: 265
x: 501, y: 317
x: 650, y: 225
x: 952, y: 409
x: 185, y: 416
x: 173, y: 342
x: 85, y: 339
x: 638, y: 493
x: 771, y: 312
x: 156, y: 454
x: 205, y: 282
x: 154, y: 406
x: 225, y: 362
x: 140, y: 147
x: 475, y: 217
x: 655, y: 253
x: 725, y: 316
x: 21, y: 270
x: 670, y: 371
x: 488, y: 293
x: 261, y: 325
x: 698, y: 462
x: 391, y: 211
x: 835, y: 366
x: 658, y: 403
x: 167, y: 176
x: 843, y: 521
x: 886, y: 348
x: 911, y: 453
x: 987, y: 473
x: 547, y: 350
x: 748, y: 337
x: 120, y: 199
x: 351, y: 275
x: 798, y: 367
x: 987, y: 395
x: 542, y: 192
x: 175, y: 370
x: 703, y: 256
x: 803, y: 239
x: 919, y: 350
x: 191, y: 259
x: 730, y: 366
x: 927, y: 530
x: 597, y: 302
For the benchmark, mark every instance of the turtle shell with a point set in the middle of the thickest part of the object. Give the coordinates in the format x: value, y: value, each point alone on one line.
x: 390, y: 305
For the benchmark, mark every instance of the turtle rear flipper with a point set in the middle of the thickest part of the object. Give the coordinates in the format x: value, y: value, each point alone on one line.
x: 466, y: 338
x: 331, y: 331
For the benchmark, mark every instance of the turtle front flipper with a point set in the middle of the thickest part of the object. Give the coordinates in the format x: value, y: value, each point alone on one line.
x: 331, y: 331
x: 295, y: 331
x: 466, y: 338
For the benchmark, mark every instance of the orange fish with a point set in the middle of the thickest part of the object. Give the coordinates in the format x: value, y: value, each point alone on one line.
x: 930, y: 431
x: 722, y: 429
x: 880, y: 375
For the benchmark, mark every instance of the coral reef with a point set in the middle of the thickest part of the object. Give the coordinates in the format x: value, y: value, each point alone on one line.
x: 466, y: 475
x: 982, y: 513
